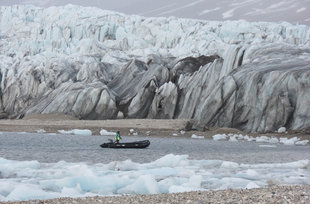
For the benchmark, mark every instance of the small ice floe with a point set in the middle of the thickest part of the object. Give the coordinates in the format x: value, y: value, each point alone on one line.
x: 219, y: 137
x: 268, y: 146
x: 21, y: 133
x: 302, y: 142
x: 182, y: 132
x: 282, y: 130
x: 104, y: 132
x: 248, y: 138
x: 261, y: 139
x: 287, y: 141
x: 41, y: 131
x: 84, y: 132
x: 252, y: 185
x: 175, y: 134
x: 133, y: 132
x: 273, y: 140
x: 233, y: 138
x: 148, y: 133
x: 197, y: 136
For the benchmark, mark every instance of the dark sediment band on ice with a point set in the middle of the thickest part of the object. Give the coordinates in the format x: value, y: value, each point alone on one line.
x: 97, y: 68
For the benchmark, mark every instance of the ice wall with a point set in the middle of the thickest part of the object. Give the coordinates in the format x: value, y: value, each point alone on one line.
x: 95, y: 64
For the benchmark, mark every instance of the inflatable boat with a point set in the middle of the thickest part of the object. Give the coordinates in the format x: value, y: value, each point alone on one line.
x: 137, y: 144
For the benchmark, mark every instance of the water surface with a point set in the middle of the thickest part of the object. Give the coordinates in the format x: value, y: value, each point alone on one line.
x: 72, y: 148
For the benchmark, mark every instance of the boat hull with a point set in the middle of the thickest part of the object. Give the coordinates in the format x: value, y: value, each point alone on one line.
x: 138, y: 144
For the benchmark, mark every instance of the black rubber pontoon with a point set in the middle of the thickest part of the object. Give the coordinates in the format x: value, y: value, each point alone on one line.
x: 138, y: 144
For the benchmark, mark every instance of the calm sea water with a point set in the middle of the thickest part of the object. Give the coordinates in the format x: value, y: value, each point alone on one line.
x: 73, y: 148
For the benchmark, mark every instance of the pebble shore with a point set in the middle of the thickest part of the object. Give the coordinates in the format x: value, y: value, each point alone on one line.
x: 274, y: 194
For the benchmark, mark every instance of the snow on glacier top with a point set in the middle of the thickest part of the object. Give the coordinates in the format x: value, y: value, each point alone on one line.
x: 74, y: 30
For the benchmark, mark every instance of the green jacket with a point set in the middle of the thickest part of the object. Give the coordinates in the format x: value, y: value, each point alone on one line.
x: 117, y: 137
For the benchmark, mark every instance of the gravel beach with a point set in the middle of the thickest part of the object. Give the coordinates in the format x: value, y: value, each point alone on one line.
x: 274, y: 194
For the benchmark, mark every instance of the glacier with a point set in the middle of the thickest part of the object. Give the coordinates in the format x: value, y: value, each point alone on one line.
x: 97, y: 64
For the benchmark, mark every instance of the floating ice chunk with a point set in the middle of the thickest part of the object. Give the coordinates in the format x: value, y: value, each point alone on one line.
x: 233, y: 138
x: 282, y: 130
x: 171, y: 160
x: 193, y: 184
x: 166, y: 184
x: 65, y: 132
x: 2, y: 197
x: 179, y: 189
x: 21, y: 133
x: 287, y: 141
x: 71, y: 192
x: 84, y: 132
x: 252, y: 185
x: 175, y: 134
x: 219, y: 137
x: 41, y: 131
x: 131, y: 131
x: 270, y: 146
x: 135, y: 133
x: 195, y: 181
x: 197, y: 136
x: 145, y: 184
x: 301, y: 164
x: 29, y: 192
x: 274, y: 140
x: 302, y: 142
x: 262, y: 139
x: 11, y: 168
x: 232, y: 182
x: 251, y: 174
x: 228, y: 164
x: 248, y: 138
x: 106, y: 133
x: 182, y: 132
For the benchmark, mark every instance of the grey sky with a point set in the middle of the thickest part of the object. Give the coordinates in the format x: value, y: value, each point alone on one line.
x: 294, y: 11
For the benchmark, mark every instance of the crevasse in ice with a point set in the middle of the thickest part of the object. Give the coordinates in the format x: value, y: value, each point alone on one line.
x: 96, y: 64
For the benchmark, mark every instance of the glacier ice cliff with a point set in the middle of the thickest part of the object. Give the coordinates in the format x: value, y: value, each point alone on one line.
x: 96, y: 64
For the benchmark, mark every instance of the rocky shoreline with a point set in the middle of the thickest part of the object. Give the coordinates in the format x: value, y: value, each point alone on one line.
x: 273, y: 194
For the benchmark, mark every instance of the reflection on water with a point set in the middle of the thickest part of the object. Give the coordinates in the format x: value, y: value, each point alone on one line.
x: 72, y: 148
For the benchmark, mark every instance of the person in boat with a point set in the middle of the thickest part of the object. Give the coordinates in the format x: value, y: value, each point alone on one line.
x: 117, y: 137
